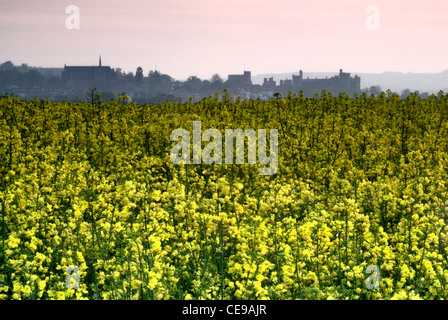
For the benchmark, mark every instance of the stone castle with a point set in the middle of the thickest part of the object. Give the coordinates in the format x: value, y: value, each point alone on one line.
x: 340, y: 83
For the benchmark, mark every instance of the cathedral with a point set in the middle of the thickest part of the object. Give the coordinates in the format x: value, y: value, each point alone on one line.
x: 88, y: 76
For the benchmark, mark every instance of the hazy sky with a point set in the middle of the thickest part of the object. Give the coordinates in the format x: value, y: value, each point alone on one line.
x: 203, y: 37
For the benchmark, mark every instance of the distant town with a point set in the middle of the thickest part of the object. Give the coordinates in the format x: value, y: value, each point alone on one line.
x: 72, y: 83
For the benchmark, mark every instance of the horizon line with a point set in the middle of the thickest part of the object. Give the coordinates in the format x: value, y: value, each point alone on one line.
x: 213, y: 73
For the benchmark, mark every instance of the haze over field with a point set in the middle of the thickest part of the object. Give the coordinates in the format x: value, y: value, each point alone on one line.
x: 395, y: 81
x: 186, y: 37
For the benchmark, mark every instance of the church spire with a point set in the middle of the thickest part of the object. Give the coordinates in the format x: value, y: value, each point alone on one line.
x: 100, y: 60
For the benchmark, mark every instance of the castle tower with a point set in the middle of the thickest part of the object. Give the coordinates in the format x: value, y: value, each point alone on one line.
x: 100, y: 60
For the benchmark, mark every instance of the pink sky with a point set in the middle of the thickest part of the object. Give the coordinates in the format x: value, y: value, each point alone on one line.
x: 203, y: 37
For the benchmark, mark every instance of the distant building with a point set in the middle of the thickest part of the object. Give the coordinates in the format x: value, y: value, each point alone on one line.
x: 287, y: 82
x: 85, y: 76
x: 296, y: 80
x: 340, y: 83
x: 269, y: 83
x: 241, y: 79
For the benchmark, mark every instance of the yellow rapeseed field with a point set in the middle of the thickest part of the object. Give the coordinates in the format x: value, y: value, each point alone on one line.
x: 91, y: 206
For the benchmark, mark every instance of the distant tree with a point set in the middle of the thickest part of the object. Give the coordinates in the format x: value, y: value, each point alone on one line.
x: 216, y: 78
x: 158, y: 77
x: 167, y: 78
x: 375, y: 90
x: 154, y: 77
x: 216, y: 83
x: 53, y: 81
x: 10, y: 77
x: 24, y: 67
x: 33, y: 78
x: 405, y: 93
x: 119, y: 72
x: 6, y: 65
x: 93, y: 96
x: 177, y: 85
x: 194, y: 79
x: 139, y: 76
x: 193, y: 83
x: 424, y: 95
x: 129, y: 77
